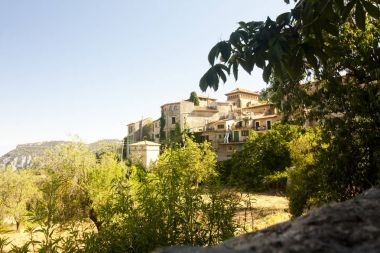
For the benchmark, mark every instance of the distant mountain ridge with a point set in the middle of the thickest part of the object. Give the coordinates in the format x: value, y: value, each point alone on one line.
x: 22, y: 156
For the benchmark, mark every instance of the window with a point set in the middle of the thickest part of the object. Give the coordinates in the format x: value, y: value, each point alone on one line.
x: 204, y: 138
x: 220, y: 136
x: 269, y: 124
x: 257, y: 125
x: 220, y: 126
x: 173, y: 120
x: 157, y: 136
x: 244, y: 133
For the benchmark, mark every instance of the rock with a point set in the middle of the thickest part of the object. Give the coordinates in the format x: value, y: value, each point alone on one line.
x: 350, y: 226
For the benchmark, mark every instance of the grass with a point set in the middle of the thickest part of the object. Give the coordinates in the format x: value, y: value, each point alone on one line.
x: 19, y: 238
x: 256, y: 211
x: 261, y: 210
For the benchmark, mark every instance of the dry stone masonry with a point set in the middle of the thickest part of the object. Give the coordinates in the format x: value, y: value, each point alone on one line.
x: 350, y: 226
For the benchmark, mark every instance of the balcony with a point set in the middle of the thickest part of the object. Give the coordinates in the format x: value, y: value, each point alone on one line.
x: 260, y: 128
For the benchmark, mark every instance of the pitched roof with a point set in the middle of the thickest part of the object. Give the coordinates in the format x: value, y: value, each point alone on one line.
x: 145, y: 143
x: 241, y: 90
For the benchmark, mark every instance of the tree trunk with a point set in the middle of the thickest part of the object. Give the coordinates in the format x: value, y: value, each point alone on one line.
x: 94, y: 217
x: 17, y: 226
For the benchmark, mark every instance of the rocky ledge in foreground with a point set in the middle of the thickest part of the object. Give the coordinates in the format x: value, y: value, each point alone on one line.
x: 350, y: 226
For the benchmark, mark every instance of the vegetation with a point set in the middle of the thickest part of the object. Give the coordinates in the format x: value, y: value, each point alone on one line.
x: 179, y: 201
x: 322, y: 62
x: 194, y: 98
x: 162, y: 126
x: 263, y: 162
x: 23, y: 152
x: 17, y: 190
x: 332, y: 154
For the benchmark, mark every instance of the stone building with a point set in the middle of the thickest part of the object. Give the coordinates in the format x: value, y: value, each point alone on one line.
x: 226, y: 125
x: 186, y: 116
x: 156, y: 130
x: 144, y: 152
x: 138, y: 131
x: 247, y: 114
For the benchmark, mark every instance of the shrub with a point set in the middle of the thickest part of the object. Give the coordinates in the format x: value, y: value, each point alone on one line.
x: 262, y: 156
x: 276, y: 181
x: 178, y: 202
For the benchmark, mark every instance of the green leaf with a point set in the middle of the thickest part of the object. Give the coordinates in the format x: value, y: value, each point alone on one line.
x: 225, y: 50
x: 267, y: 72
x: 235, y: 38
x: 347, y: 10
x: 235, y: 66
x: 213, y: 54
x: 203, y: 83
x: 283, y: 18
x: 360, y: 16
x: 218, y: 68
x: 224, y: 67
x: 212, y: 78
x: 371, y: 9
x: 247, y: 66
x: 255, y: 24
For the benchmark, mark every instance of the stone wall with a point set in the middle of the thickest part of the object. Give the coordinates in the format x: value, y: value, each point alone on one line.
x: 351, y: 226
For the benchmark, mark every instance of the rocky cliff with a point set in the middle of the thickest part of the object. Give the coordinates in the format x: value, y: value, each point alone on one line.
x: 351, y: 226
x: 22, y: 156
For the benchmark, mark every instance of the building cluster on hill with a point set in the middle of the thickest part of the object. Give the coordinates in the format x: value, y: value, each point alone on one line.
x: 226, y: 125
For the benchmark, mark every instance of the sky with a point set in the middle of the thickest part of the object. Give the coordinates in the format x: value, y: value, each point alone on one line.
x: 87, y: 68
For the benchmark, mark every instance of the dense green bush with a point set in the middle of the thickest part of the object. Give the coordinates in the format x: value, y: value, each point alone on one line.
x: 303, y: 177
x: 262, y: 158
x: 276, y: 181
x: 179, y: 201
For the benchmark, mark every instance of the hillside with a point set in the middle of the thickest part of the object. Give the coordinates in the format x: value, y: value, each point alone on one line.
x: 22, y: 156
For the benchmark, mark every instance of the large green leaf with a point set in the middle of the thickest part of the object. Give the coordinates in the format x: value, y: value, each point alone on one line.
x: 235, y: 66
x: 213, y: 54
x: 371, y: 9
x: 284, y: 18
x: 235, y: 39
x: 203, y: 82
x: 225, y: 50
x: 212, y: 78
x: 360, y: 15
x: 347, y: 10
x: 267, y: 73
x: 219, y: 69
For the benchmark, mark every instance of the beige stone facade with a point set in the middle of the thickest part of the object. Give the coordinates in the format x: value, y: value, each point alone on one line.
x: 145, y: 153
x: 225, y: 124
x: 138, y: 131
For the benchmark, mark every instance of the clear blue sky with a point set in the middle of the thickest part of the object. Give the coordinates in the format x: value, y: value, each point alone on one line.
x: 89, y: 67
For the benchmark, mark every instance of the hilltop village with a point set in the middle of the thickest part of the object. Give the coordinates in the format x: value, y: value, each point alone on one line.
x: 225, y: 124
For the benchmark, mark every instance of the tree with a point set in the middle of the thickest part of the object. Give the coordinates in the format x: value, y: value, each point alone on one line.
x: 194, y: 98
x: 323, y: 61
x: 162, y: 126
x: 17, y: 191
x: 82, y: 182
x: 263, y: 156
x: 100, y: 187
x: 177, y: 202
x: 295, y: 45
